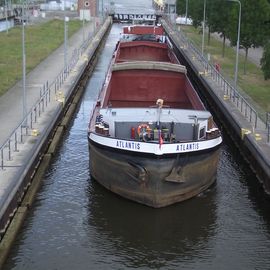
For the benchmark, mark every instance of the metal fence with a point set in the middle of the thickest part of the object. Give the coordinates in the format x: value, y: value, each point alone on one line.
x: 228, y: 91
x: 25, y: 128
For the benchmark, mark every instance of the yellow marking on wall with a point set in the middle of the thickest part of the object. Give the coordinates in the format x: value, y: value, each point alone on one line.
x: 258, y: 137
x: 60, y: 97
x: 244, y: 132
x: 34, y: 132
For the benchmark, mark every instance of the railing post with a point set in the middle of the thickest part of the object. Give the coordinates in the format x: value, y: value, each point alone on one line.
x: 268, y: 133
x: 2, y: 158
x: 42, y: 100
x: 256, y: 119
x: 55, y: 85
x: 9, y: 150
x: 16, y: 143
x: 21, y: 134
x: 31, y: 120
x: 35, y: 110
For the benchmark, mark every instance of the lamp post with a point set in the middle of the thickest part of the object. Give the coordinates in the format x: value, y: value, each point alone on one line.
x: 186, y: 10
x: 83, y: 20
x: 65, y: 35
x: 102, y: 11
x: 204, y: 8
x: 6, y: 7
x: 238, y: 42
x: 23, y: 64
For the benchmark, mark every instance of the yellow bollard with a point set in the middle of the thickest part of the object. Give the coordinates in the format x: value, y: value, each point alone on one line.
x: 60, y: 97
x: 258, y: 137
x: 34, y: 132
x: 244, y: 132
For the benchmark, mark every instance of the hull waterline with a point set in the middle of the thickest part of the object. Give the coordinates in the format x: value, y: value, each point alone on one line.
x: 150, y: 180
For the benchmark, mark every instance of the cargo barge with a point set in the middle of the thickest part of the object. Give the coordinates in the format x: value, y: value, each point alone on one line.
x: 151, y: 140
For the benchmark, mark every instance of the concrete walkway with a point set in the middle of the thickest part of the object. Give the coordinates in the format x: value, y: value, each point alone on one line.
x: 11, y: 103
x: 16, y: 158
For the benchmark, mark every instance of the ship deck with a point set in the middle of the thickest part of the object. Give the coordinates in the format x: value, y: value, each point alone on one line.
x: 182, y: 123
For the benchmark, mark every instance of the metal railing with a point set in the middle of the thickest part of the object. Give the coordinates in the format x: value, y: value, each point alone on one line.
x: 267, y: 125
x: 228, y: 91
x: 17, y: 136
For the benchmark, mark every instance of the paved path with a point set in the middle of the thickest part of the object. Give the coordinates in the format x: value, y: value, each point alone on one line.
x: 254, y: 54
x: 11, y: 103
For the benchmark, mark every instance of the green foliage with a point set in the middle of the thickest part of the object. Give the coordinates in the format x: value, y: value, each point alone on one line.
x: 253, y: 28
x: 265, y: 61
x: 194, y: 8
x: 196, y: 11
x: 181, y: 7
x: 222, y: 16
x: 40, y: 41
x: 253, y: 83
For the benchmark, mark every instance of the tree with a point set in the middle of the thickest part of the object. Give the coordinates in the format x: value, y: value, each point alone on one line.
x: 265, y: 61
x: 218, y: 19
x: 196, y: 12
x: 253, y: 29
x: 193, y: 10
x: 181, y: 7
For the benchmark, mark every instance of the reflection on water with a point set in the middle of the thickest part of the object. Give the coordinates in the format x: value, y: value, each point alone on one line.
x: 142, y: 236
x: 77, y: 224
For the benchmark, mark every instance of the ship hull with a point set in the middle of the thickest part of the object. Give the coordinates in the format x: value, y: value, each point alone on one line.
x: 155, y: 181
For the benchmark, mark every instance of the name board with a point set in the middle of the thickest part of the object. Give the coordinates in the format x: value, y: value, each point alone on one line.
x: 131, y: 17
x: 155, y: 148
x: 128, y: 145
x: 182, y: 147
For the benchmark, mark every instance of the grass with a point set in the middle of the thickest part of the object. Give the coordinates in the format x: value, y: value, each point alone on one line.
x: 252, y: 83
x: 40, y: 41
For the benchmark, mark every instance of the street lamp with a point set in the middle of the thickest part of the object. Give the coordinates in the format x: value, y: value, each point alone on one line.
x: 204, y: 7
x: 6, y: 7
x: 83, y: 19
x: 238, y: 41
x: 66, y: 19
x: 102, y: 12
x: 23, y: 64
x: 186, y: 10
